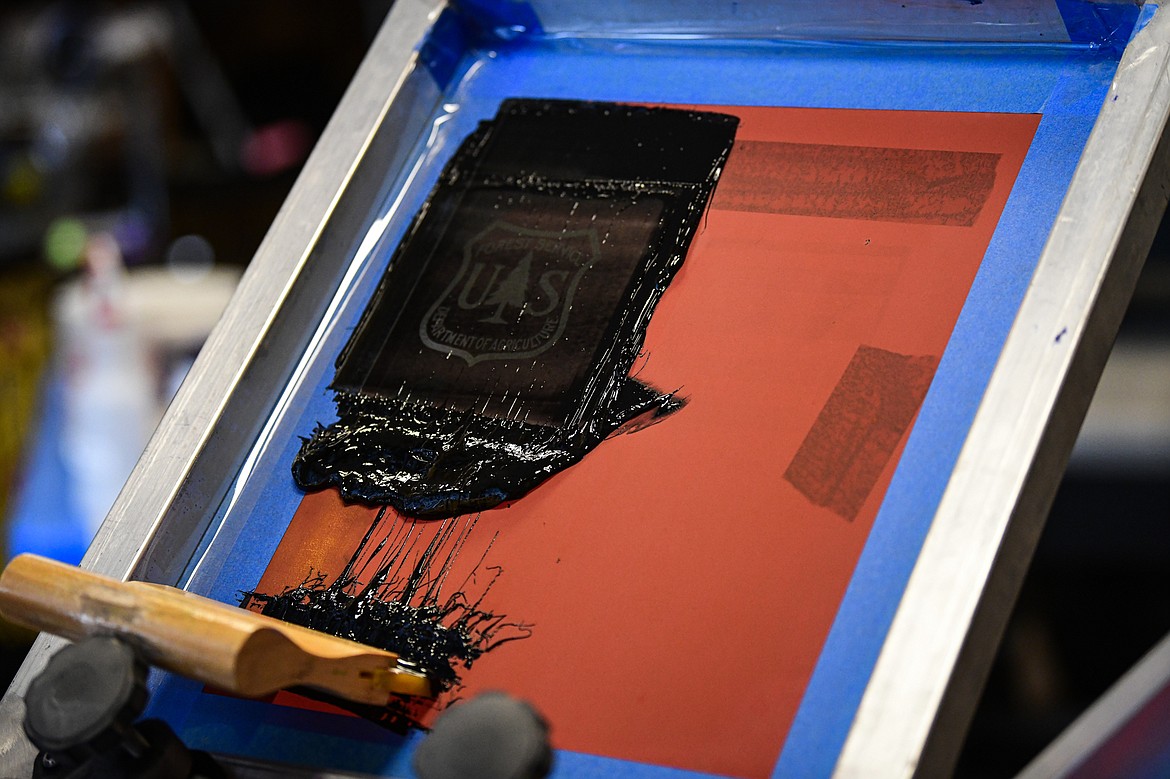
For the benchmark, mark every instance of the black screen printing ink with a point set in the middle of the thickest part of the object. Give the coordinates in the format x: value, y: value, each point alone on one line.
x: 497, y: 347
x: 396, y: 597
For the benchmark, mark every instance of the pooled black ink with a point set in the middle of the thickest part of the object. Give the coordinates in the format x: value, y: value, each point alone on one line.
x: 402, y: 607
x: 497, y: 348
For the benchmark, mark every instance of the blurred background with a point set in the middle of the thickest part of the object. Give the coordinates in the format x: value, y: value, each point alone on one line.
x: 145, y: 148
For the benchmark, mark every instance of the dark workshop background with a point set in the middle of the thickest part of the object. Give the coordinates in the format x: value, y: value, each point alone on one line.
x: 200, y: 132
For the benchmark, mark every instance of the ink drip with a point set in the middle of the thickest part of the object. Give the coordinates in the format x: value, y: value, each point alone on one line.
x: 401, y: 607
x: 497, y: 348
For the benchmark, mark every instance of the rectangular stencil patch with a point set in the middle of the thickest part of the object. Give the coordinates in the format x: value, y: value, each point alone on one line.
x: 857, y: 431
x: 857, y: 182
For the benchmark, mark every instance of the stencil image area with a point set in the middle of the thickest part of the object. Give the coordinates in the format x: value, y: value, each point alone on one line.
x: 497, y: 349
x: 677, y: 585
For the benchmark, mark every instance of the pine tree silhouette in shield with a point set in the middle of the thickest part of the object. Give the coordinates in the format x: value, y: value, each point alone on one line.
x: 512, y: 291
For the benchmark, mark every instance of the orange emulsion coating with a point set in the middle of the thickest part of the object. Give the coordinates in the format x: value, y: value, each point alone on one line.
x: 679, y: 586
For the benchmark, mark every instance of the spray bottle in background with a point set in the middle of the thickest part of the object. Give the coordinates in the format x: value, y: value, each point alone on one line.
x: 108, y: 385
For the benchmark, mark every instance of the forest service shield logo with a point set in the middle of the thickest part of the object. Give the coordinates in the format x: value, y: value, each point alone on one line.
x: 513, y: 294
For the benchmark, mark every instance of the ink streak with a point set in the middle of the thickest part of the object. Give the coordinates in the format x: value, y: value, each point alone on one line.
x: 497, y: 348
x: 859, y: 428
x: 401, y: 608
x: 858, y: 182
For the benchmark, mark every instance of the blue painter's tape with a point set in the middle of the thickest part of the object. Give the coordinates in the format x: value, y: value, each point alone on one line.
x: 443, y: 49
x: 501, y: 19
x: 286, y: 735
x: 483, y: 24
x: 1104, y: 25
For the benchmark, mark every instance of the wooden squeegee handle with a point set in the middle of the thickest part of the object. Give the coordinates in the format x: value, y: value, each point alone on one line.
x: 231, y: 648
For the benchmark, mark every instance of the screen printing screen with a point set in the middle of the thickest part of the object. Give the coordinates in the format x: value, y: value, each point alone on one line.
x: 665, y: 599
x: 703, y: 592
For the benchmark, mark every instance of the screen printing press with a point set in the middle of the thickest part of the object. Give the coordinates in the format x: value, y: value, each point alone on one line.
x: 699, y: 373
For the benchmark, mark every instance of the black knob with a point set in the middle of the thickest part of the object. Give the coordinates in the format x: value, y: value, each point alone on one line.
x: 492, y: 736
x: 86, y: 700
